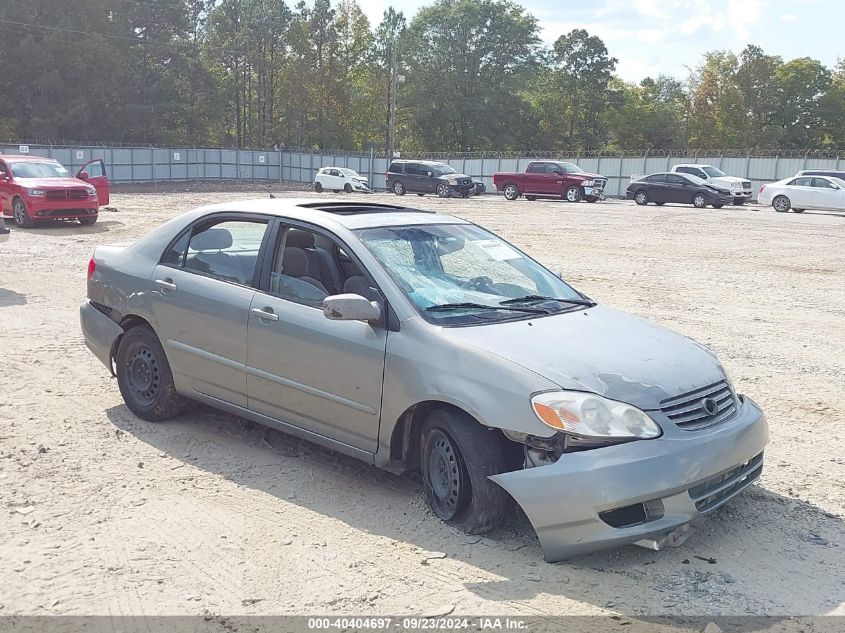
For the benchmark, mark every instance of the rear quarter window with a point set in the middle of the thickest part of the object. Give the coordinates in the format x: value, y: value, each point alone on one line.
x: 395, y: 168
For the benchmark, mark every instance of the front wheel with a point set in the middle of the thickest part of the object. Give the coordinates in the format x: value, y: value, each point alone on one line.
x: 398, y: 188
x: 641, y: 198
x: 511, y: 192
x: 591, y: 198
x: 718, y: 206
x: 318, y: 187
x: 573, y: 194
x: 457, y: 457
x: 699, y: 201
x: 738, y: 202
x: 144, y: 376
x: 88, y: 221
x: 443, y: 190
x: 798, y: 210
x: 22, y: 219
x: 782, y: 204
x: 659, y: 204
x: 347, y: 188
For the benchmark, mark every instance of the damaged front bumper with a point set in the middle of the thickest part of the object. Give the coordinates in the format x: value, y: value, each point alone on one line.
x: 643, y: 490
x: 99, y: 331
x: 594, y: 192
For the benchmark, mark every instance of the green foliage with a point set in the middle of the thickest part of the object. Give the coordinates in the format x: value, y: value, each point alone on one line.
x: 318, y: 74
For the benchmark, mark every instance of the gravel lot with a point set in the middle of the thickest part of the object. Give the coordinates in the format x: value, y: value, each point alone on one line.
x: 103, y: 513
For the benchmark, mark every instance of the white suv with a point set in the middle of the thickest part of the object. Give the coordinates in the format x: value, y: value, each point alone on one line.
x: 339, y: 179
x: 739, y: 187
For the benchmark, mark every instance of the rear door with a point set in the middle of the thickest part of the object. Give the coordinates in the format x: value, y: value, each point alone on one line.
x: 826, y: 195
x: 800, y: 192
x: 534, y: 180
x: 306, y: 370
x: 656, y: 187
x: 95, y: 173
x: 201, y: 294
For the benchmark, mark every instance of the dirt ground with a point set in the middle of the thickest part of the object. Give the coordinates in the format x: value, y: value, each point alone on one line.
x: 103, y: 513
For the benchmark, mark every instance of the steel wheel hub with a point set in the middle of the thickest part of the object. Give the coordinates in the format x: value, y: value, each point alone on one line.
x: 444, y: 472
x: 143, y: 375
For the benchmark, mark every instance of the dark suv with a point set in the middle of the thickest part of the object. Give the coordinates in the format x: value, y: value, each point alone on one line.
x: 422, y: 177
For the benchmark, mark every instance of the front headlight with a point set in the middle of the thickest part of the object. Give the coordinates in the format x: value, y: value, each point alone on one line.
x: 590, y: 415
x: 452, y: 181
x: 588, y: 183
x: 91, y: 191
x: 736, y: 185
x: 36, y: 192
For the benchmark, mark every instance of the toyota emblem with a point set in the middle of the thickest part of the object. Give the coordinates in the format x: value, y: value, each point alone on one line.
x: 710, y: 406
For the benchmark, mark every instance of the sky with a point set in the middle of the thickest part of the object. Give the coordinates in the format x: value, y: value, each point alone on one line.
x: 651, y: 37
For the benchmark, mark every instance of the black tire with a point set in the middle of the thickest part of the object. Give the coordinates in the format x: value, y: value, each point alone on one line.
x: 573, y: 194
x: 347, y: 188
x: 718, y: 206
x: 511, y: 192
x: 398, y: 188
x: 531, y: 198
x: 318, y: 187
x: 457, y: 457
x: 738, y: 202
x: 444, y: 190
x: 641, y: 197
x: 699, y: 201
x: 144, y: 376
x: 88, y: 221
x: 20, y: 215
x: 798, y: 210
x: 420, y: 195
x: 781, y: 204
x: 591, y: 199
x: 336, y: 190
x: 659, y: 204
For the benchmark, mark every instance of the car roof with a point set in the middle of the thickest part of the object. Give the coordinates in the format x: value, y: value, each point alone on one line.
x: 25, y: 157
x: 820, y: 172
x: 692, y: 165
x: 328, y: 213
x: 423, y: 162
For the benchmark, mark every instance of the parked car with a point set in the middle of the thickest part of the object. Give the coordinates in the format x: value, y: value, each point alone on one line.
x: 340, y: 179
x: 739, y: 187
x: 424, y: 176
x: 423, y: 341
x: 832, y: 173
x: 4, y: 232
x: 680, y: 188
x: 804, y: 192
x: 543, y: 178
x: 34, y: 189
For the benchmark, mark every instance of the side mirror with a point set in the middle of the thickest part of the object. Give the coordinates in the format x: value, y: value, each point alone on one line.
x: 83, y: 175
x: 430, y: 174
x: 4, y: 176
x: 350, y: 307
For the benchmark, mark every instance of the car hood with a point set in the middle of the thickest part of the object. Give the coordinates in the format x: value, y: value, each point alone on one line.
x: 51, y: 183
x: 727, y: 180
x: 585, y: 175
x: 604, y: 351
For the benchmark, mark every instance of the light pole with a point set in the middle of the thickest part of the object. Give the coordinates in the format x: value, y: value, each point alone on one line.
x: 395, y: 81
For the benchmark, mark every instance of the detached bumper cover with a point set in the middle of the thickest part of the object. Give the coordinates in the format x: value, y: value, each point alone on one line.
x: 99, y: 331
x: 679, y: 477
x: 594, y: 192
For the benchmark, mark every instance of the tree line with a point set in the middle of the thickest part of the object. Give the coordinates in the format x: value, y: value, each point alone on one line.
x: 477, y: 77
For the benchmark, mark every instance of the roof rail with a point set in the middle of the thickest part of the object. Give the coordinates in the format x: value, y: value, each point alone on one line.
x: 354, y: 208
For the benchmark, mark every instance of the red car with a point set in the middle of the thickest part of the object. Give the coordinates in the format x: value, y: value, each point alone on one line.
x: 551, y: 179
x: 33, y: 188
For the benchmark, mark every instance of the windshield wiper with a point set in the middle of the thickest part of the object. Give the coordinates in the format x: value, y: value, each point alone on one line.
x: 529, y: 298
x: 445, y: 307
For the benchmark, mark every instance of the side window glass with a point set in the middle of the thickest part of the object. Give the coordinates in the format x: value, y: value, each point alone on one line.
x: 95, y: 169
x: 395, y: 168
x: 412, y: 170
x: 822, y: 183
x: 227, y: 250
x: 3, y: 169
x: 175, y: 255
x: 536, y: 168
x: 802, y: 182
x: 551, y: 168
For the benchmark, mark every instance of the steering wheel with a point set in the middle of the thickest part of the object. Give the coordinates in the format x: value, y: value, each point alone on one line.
x: 477, y: 283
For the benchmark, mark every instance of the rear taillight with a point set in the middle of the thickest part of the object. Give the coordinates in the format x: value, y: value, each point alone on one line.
x: 92, y: 267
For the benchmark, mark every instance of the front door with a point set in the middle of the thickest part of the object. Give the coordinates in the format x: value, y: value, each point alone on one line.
x: 826, y: 195
x: 303, y: 369
x: 201, y: 295
x: 535, y: 180
x: 676, y: 189
x: 800, y: 192
x: 5, y: 189
x: 95, y: 173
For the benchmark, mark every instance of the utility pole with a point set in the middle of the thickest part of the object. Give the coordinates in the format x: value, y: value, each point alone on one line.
x: 391, y: 145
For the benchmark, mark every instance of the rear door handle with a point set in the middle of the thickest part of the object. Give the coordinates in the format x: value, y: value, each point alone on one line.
x: 166, y: 284
x: 267, y: 314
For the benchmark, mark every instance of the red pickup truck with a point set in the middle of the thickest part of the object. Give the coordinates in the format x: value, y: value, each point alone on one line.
x: 549, y: 178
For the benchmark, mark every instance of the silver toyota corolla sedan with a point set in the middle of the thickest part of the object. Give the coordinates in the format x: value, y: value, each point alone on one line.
x: 418, y: 340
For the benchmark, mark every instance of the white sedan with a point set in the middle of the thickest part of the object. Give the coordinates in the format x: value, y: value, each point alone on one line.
x: 804, y: 192
x: 339, y: 179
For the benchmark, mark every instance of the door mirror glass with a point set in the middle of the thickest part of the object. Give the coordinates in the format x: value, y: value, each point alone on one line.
x: 350, y: 307
x: 83, y: 175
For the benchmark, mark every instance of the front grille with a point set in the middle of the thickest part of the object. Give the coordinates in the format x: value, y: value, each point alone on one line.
x: 715, y: 491
x: 690, y: 412
x: 746, y: 184
x: 66, y: 194
x: 464, y: 181
x: 599, y: 183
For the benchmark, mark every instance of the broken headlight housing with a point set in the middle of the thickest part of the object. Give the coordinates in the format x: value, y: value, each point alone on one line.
x: 588, y: 415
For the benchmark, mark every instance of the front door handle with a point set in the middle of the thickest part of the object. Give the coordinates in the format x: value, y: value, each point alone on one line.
x: 166, y: 284
x: 266, y: 314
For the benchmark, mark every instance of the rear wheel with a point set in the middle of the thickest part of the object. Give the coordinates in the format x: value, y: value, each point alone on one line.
x: 573, y: 194
x: 458, y: 456
x: 318, y: 187
x: 420, y: 195
x: 798, y: 210
x: 641, y: 198
x: 443, y: 190
x: 782, y: 204
x: 511, y: 192
x: 88, y: 221
x: 399, y: 188
x: 144, y: 376
x: 718, y: 206
x: 739, y: 202
x: 659, y: 204
x: 531, y: 198
x: 347, y: 188
x: 699, y: 201
x: 20, y: 215
x: 591, y: 198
